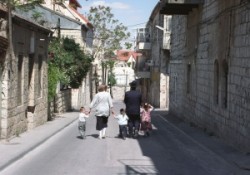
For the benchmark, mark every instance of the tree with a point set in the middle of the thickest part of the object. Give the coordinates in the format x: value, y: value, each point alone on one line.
x: 108, y: 34
x: 68, y: 64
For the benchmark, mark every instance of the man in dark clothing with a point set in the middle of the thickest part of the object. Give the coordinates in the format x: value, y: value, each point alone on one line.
x: 133, y: 101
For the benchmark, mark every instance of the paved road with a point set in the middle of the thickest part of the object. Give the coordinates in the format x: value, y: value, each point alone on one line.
x: 168, y: 151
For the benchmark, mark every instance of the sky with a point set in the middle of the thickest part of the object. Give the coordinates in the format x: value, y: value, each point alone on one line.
x: 132, y: 13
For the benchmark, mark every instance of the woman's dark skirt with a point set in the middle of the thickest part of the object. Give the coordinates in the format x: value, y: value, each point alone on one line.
x: 101, y: 122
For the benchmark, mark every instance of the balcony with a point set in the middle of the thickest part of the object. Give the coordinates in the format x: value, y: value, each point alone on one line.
x: 179, y: 7
x: 143, y: 39
x: 143, y: 46
x: 143, y: 74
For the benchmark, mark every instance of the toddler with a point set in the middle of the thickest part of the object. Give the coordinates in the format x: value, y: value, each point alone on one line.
x: 82, y: 122
x: 146, y: 125
x: 123, y: 122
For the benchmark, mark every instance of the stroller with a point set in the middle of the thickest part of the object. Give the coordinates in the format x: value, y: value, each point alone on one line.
x: 82, y: 129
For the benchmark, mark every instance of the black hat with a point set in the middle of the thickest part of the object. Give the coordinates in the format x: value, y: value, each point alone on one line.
x: 132, y: 84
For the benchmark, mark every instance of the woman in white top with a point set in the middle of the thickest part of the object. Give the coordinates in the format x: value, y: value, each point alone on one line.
x: 102, y: 102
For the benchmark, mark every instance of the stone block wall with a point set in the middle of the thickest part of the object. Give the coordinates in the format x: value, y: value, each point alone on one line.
x: 19, y: 88
x: 63, y: 101
x: 222, y: 38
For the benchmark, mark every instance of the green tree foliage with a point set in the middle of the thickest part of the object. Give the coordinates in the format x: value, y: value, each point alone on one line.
x: 109, y: 32
x: 79, y: 66
x: 109, y: 35
x: 111, y: 77
x: 68, y: 64
x: 53, y: 78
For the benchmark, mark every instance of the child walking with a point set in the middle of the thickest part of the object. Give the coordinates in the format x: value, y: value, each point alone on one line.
x: 82, y: 122
x: 123, y: 122
x: 146, y: 125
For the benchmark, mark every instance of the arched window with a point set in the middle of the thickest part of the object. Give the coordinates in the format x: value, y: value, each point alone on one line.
x: 216, y: 82
x: 224, y: 84
x: 189, y: 79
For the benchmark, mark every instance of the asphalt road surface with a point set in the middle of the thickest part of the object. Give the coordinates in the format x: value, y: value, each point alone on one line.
x: 167, y: 151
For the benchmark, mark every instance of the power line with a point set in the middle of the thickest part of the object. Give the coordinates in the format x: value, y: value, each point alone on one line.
x: 136, y: 24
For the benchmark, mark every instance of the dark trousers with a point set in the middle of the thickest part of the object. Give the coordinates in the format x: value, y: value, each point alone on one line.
x: 123, y: 130
x: 133, y: 123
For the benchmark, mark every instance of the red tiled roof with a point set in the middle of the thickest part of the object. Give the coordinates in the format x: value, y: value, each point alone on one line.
x: 82, y: 17
x: 124, y: 55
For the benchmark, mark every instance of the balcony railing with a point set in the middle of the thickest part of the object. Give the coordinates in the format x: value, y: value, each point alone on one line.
x: 179, y: 7
x: 143, y: 46
x: 143, y: 37
x: 143, y: 74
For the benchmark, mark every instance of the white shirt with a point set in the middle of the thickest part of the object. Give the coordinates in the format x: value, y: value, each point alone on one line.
x: 122, y: 119
x: 102, y: 102
x: 82, y: 117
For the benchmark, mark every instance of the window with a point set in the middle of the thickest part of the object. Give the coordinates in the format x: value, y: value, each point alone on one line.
x: 175, y: 88
x: 189, y: 78
x: 31, y: 66
x: 40, y: 63
x: 216, y: 82
x: 19, y: 79
x: 224, y: 84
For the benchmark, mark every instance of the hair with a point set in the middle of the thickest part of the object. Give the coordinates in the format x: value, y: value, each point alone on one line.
x: 146, y: 106
x: 81, y: 109
x: 122, y: 110
x: 102, y: 88
x: 133, y: 87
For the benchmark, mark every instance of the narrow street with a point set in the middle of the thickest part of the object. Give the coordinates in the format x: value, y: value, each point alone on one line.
x: 166, y: 151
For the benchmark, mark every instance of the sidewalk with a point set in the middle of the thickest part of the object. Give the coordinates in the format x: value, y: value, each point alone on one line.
x: 208, y: 141
x: 17, y: 147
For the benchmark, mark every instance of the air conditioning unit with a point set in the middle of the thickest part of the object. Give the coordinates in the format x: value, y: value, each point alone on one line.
x: 150, y: 62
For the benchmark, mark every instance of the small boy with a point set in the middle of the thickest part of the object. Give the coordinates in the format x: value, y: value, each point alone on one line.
x: 82, y: 122
x: 123, y: 122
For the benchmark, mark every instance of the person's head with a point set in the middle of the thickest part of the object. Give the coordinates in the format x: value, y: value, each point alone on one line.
x: 82, y: 109
x: 102, y: 88
x: 122, y: 111
x: 146, y: 106
x: 132, y: 85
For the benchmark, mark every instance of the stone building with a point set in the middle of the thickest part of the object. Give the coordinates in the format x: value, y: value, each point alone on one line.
x: 23, y: 56
x: 152, y: 69
x: 63, y: 18
x: 210, y: 66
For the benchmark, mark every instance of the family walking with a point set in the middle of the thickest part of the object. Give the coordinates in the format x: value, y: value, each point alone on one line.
x: 134, y: 118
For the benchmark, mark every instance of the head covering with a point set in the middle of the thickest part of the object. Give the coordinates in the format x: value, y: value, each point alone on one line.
x: 132, y: 84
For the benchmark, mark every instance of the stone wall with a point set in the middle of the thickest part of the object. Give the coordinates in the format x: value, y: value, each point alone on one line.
x: 209, y: 76
x: 24, y: 83
x: 62, y: 102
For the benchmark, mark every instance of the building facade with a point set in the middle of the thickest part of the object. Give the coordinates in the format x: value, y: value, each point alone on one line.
x: 209, y: 66
x: 152, y: 66
x: 23, y: 75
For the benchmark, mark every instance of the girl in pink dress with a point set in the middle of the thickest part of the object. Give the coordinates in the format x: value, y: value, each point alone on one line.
x: 146, y: 125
